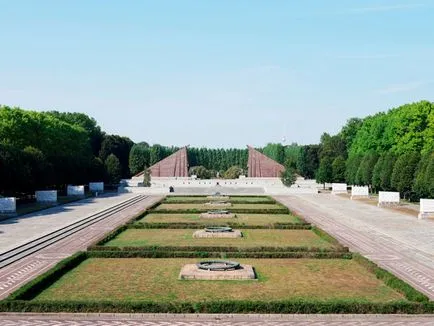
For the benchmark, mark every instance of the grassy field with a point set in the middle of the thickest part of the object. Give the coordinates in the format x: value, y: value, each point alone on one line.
x: 136, y: 279
x: 251, y: 238
x: 200, y: 206
x: 232, y: 199
x: 243, y: 219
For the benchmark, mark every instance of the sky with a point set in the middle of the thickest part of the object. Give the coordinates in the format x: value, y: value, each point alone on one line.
x: 217, y: 73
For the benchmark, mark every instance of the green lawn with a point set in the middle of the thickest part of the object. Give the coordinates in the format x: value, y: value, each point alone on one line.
x: 242, y: 219
x: 203, y: 207
x: 136, y: 279
x: 232, y: 199
x: 251, y: 238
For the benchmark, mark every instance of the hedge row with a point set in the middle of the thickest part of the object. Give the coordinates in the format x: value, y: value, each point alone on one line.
x: 286, y: 226
x: 263, y: 307
x: 265, y: 201
x: 391, y: 280
x: 269, y: 211
x: 218, y: 249
x: 220, y: 255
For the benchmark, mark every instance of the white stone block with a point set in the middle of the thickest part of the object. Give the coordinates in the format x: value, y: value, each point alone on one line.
x: 46, y: 196
x: 388, y: 198
x: 339, y: 188
x: 8, y: 205
x: 426, y: 208
x: 96, y: 186
x: 75, y: 190
x: 357, y: 191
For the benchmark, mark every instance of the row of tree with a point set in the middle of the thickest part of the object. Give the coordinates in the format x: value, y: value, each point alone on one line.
x: 40, y: 150
x: 391, y: 150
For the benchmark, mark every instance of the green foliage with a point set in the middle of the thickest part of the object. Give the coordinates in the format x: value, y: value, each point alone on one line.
x: 325, y: 171
x: 139, y: 157
x: 288, y: 176
x: 201, y: 172
x: 308, y: 161
x: 113, y: 167
x: 280, y: 226
x: 233, y: 172
x: 403, y: 172
x: 338, y: 169
x: 352, y: 166
x: 120, y: 147
x: 275, y: 152
x: 424, y: 181
x: 365, y: 170
x: 217, y: 159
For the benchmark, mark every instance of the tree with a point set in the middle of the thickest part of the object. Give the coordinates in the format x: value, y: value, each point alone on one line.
x: 275, y: 152
x: 366, y: 167
x: 146, y: 177
x: 139, y: 157
x: 403, y: 172
x: 288, y: 176
x: 424, y: 177
x: 338, y: 169
x: 201, y: 172
x: 386, y: 171
x: 113, y: 168
x: 308, y: 161
x: 352, y: 165
x: 325, y: 171
x: 120, y: 147
x: 233, y: 172
x: 376, y: 173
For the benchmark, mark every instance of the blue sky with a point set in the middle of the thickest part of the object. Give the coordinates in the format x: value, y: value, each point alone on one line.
x: 217, y: 73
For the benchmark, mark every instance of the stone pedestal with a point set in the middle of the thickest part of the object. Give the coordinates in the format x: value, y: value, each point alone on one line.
x: 192, y: 272
x: 205, y: 234
x: 218, y: 197
x: 218, y: 204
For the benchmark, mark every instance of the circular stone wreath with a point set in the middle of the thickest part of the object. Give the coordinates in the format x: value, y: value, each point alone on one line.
x: 218, y: 265
x: 218, y: 229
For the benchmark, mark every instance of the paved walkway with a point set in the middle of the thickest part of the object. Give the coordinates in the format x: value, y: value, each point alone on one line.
x: 15, y: 275
x: 18, y: 230
x: 397, y: 242
x: 209, y: 320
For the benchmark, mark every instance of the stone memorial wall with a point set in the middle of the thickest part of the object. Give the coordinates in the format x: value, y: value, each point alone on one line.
x: 75, y: 190
x: 388, y: 198
x: 96, y: 186
x: 339, y: 188
x: 46, y: 196
x: 8, y: 205
x: 426, y: 208
x: 359, y: 192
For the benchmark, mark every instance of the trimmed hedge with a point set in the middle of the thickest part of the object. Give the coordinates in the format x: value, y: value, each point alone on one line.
x: 216, y: 254
x: 218, y: 249
x: 34, y: 287
x: 286, y: 226
x: 281, y: 307
x: 271, y: 211
x: 391, y: 280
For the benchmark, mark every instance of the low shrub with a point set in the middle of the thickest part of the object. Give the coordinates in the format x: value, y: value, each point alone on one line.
x: 287, y: 226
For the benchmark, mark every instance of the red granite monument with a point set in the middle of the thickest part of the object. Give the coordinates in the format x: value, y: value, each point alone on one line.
x: 261, y: 166
x: 175, y: 165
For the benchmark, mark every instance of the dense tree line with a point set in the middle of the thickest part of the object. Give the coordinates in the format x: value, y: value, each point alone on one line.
x: 391, y: 150
x: 40, y: 150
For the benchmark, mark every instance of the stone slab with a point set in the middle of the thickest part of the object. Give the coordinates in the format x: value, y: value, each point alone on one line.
x: 205, y: 234
x: 207, y: 215
x: 388, y: 198
x: 359, y: 192
x: 44, y: 196
x: 218, y: 197
x: 192, y: 272
x: 339, y: 188
x: 8, y: 205
x: 75, y: 190
x: 96, y: 186
x: 426, y: 208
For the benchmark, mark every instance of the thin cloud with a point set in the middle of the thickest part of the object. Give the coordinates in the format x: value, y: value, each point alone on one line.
x: 405, y: 87
x: 364, y: 10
